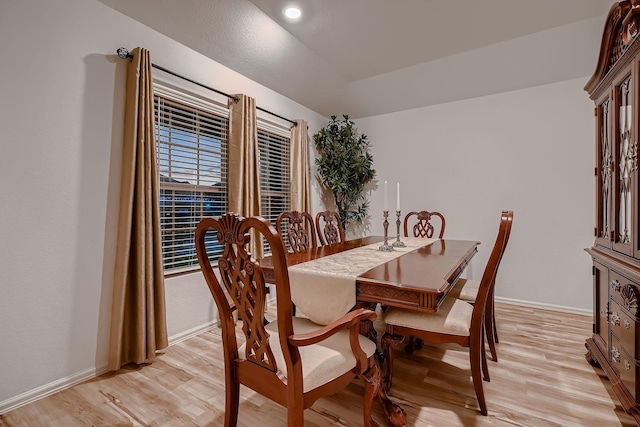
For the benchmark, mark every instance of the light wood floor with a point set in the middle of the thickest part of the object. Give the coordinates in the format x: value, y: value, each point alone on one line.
x: 541, y: 379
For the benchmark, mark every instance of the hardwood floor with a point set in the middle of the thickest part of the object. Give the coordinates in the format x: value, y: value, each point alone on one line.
x: 542, y: 379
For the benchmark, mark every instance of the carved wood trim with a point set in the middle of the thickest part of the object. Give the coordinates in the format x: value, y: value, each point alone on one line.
x: 630, y: 298
x: 388, y: 293
x: 620, y: 30
x: 244, y: 282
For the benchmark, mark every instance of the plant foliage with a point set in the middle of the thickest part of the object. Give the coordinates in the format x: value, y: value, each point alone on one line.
x: 345, y: 167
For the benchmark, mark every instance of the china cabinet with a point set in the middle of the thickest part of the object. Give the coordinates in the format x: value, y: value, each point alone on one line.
x: 614, y: 88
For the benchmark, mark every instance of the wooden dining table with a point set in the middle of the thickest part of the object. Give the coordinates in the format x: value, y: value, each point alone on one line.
x: 418, y: 279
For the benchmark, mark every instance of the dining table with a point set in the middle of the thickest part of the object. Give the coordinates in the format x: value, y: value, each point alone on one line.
x: 328, y: 281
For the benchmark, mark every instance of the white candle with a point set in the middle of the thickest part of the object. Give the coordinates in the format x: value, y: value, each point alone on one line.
x: 386, y: 207
x: 398, y: 198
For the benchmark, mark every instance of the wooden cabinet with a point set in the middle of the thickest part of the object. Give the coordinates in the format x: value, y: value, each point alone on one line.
x: 615, y: 90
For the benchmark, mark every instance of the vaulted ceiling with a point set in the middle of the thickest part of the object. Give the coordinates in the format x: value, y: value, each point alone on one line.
x: 372, y: 57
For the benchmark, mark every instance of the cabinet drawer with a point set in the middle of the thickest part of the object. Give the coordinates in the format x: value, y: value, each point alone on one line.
x: 625, y: 365
x: 624, y: 291
x: 625, y: 328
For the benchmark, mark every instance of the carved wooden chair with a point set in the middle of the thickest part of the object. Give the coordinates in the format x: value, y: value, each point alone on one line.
x: 329, y: 227
x: 467, y: 290
x: 423, y: 226
x: 291, y: 361
x: 456, y: 321
x: 297, y: 229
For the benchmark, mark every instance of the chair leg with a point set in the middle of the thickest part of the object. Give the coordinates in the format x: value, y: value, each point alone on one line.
x: 410, y: 347
x: 372, y: 383
x: 413, y: 344
x: 475, y: 357
x: 295, y: 415
x: 388, y: 342
x: 485, y: 367
x: 489, y: 327
x: 493, y: 318
x: 232, y: 400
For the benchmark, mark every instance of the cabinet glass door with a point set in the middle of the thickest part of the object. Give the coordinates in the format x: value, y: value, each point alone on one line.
x: 604, y: 177
x: 625, y: 166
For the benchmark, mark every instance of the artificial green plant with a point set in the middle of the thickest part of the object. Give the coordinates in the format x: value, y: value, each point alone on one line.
x: 345, y: 167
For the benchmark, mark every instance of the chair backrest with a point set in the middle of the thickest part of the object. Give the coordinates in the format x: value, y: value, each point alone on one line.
x: 329, y: 227
x: 488, y: 280
x: 242, y: 288
x: 423, y: 226
x: 297, y: 229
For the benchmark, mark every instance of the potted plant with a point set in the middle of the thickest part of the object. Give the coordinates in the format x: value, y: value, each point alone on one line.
x: 345, y: 167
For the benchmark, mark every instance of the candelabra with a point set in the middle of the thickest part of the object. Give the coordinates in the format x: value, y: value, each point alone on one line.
x: 386, y: 247
x: 398, y: 243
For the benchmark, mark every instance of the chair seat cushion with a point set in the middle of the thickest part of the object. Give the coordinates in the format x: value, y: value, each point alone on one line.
x: 321, y: 362
x: 466, y: 290
x: 453, y: 317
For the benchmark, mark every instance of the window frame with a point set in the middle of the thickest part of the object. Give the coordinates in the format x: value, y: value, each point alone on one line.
x: 279, y: 131
x: 206, y: 105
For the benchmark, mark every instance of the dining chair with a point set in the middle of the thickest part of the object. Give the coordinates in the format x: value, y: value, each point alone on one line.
x: 422, y: 225
x: 289, y: 360
x: 297, y: 229
x: 467, y: 290
x: 456, y: 321
x: 329, y: 227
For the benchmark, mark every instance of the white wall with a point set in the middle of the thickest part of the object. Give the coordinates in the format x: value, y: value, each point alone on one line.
x: 62, y: 91
x: 529, y: 150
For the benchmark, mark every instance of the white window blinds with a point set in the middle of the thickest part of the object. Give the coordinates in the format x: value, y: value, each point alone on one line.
x: 191, y: 141
x: 274, y: 153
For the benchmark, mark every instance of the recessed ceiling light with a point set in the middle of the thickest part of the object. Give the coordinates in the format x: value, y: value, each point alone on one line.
x: 293, y: 12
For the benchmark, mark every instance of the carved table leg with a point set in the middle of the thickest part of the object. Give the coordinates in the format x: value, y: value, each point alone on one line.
x: 388, y: 343
x: 396, y: 416
x: 367, y: 329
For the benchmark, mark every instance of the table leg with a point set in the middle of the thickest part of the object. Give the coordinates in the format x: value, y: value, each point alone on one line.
x: 396, y: 416
x: 367, y: 329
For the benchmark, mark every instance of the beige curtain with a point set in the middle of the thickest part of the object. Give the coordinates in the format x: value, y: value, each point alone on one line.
x: 244, y: 179
x: 138, y: 317
x: 300, y: 172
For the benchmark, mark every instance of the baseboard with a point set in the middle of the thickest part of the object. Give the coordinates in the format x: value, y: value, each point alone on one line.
x: 49, y: 389
x: 554, y: 307
x: 175, y: 339
x: 66, y: 382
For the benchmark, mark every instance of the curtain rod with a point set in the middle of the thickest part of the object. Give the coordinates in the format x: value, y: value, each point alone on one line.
x: 123, y: 53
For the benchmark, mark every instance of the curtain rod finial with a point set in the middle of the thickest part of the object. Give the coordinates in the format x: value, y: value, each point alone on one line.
x: 123, y: 53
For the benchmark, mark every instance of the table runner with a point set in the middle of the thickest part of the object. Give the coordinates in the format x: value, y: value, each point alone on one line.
x: 325, y: 289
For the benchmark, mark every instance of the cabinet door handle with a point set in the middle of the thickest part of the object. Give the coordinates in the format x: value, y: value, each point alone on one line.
x: 627, y: 324
x: 615, y: 286
x: 615, y: 319
x: 627, y: 365
x: 615, y: 354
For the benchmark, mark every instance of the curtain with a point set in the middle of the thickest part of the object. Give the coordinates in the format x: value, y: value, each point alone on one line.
x: 138, y: 316
x: 300, y: 172
x: 244, y: 179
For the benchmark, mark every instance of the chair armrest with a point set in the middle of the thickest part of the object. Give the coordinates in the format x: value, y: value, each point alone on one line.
x: 345, y: 322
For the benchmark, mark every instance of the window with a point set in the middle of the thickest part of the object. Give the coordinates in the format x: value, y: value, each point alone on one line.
x: 273, y: 152
x: 191, y: 144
